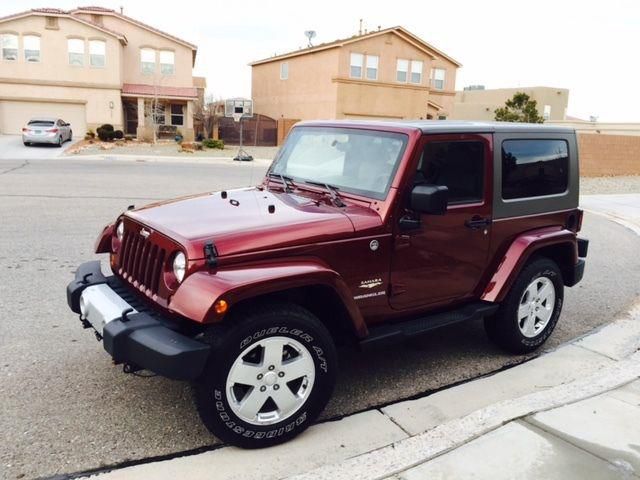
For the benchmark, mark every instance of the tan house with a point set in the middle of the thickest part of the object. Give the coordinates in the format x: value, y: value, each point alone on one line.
x: 384, y: 74
x: 91, y: 66
x: 476, y: 103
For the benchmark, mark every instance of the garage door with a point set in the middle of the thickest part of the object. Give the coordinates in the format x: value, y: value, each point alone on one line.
x: 15, y: 114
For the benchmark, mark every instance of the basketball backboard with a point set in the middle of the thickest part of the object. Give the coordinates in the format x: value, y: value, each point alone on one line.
x: 238, y: 106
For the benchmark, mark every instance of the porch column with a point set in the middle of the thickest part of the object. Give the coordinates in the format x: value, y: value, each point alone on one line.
x: 140, y: 112
x: 189, y: 134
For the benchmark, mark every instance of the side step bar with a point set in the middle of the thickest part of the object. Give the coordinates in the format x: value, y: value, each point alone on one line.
x: 403, y: 329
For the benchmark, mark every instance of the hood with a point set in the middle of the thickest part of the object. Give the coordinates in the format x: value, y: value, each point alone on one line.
x: 248, y: 220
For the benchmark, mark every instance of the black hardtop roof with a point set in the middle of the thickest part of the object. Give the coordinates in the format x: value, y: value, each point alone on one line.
x: 446, y: 126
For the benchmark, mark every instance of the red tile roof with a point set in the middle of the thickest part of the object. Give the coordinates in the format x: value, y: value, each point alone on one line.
x: 151, y: 90
x: 57, y: 11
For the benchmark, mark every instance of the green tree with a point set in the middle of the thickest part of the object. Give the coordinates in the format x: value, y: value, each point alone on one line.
x: 519, y: 109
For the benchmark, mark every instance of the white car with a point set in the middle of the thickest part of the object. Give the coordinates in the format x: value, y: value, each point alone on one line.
x: 46, y: 130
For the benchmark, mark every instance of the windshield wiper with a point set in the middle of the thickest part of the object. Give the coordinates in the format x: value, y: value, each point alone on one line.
x: 284, y: 179
x: 333, y: 192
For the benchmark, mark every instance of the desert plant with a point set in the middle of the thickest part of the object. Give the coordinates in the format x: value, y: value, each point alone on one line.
x: 90, y: 134
x: 106, y: 132
x: 211, y: 143
x: 118, y: 134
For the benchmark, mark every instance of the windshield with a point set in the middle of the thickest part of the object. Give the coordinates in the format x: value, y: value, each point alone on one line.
x: 41, y: 123
x: 363, y: 162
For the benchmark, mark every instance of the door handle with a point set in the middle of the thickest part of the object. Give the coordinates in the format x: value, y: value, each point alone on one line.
x: 476, y: 222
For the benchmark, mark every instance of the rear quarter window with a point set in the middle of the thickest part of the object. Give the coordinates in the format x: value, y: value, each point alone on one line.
x: 534, y: 168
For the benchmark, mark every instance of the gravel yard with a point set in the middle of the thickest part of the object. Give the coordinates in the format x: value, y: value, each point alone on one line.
x: 165, y: 149
x: 609, y: 185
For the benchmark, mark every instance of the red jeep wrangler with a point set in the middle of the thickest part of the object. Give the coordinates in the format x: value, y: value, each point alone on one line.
x: 370, y: 232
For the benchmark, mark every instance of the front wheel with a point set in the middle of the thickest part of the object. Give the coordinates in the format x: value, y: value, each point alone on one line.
x: 269, y: 376
x: 531, y: 309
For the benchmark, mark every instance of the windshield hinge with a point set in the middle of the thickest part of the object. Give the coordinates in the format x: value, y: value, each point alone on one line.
x: 211, y: 254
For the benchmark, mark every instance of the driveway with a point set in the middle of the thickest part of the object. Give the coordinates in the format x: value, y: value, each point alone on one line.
x: 11, y: 148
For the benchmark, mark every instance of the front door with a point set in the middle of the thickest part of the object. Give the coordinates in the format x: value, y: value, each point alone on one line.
x: 442, y: 259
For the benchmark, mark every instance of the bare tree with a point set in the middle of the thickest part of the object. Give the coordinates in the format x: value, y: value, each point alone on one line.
x: 208, y: 112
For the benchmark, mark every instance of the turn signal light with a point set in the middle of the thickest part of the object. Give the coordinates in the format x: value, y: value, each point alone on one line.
x: 220, y: 307
x: 53, y: 130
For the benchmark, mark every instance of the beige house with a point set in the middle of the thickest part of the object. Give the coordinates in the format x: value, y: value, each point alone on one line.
x: 476, y: 103
x: 384, y: 74
x: 91, y: 66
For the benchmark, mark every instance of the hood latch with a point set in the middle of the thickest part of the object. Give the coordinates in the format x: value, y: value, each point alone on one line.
x: 211, y: 254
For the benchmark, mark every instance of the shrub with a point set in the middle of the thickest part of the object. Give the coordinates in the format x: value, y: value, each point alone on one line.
x: 105, y: 132
x: 211, y: 143
x: 90, y: 134
x: 118, y: 134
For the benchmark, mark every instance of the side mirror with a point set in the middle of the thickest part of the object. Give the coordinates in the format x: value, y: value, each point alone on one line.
x: 430, y: 199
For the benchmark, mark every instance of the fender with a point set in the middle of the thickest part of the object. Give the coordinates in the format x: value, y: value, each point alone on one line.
x: 517, y: 255
x: 199, y: 291
x: 103, y: 242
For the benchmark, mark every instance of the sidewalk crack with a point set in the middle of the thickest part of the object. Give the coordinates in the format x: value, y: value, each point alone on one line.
x: 26, y: 162
x: 409, y: 434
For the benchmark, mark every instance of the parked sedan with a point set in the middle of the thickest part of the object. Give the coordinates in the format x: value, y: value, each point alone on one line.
x: 46, y: 130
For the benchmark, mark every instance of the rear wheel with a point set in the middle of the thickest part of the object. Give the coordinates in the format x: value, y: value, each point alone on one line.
x: 531, y: 309
x: 27, y: 144
x: 269, y: 376
x: 70, y: 135
x: 59, y: 144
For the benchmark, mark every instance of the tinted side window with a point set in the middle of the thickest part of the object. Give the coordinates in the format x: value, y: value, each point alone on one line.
x: 459, y: 165
x: 534, y: 168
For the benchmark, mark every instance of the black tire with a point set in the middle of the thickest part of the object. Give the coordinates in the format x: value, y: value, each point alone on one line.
x: 503, y: 327
x: 244, y: 332
x: 27, y: 144
x: 70, y: 135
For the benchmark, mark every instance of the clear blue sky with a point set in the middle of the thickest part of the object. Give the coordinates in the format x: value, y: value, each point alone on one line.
x: 586, y: 46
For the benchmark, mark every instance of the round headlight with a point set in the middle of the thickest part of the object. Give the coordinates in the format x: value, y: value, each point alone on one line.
x: 179, y: 266
x: 120, y: 230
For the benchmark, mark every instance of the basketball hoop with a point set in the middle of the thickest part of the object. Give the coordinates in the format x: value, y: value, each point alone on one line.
x: 236, y: 116
x: 239, y: 108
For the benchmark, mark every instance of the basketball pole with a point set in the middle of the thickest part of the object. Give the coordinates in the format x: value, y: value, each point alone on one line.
x: 242, y: 155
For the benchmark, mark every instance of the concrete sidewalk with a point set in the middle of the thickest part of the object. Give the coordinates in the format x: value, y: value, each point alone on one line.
x: 571, y: 413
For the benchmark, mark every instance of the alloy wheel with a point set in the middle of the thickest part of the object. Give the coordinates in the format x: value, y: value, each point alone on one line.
x: 536, y: 306
x: 270, y: 380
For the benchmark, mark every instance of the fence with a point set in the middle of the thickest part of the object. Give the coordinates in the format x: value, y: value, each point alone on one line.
x: 602, y: 155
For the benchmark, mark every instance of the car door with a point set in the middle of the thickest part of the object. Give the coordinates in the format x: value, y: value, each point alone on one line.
x: 64, y: 129
x: 441, y: 258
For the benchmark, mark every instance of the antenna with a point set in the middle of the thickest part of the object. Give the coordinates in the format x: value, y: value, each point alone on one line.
x: 310, y: 34
x: 360, y: 29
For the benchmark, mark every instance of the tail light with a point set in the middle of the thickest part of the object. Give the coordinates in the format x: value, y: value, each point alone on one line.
x: 52, y: 130
x: 25, y: 129
x: 580, y: 214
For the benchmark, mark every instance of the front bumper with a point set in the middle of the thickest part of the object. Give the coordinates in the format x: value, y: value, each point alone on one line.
x: 133, y: 334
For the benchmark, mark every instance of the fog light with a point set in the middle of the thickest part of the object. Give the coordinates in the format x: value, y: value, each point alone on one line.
x: 220, y: 307
x: 83, y: 307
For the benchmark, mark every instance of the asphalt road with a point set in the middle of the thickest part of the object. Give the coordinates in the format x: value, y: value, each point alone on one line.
x: 66, y: 408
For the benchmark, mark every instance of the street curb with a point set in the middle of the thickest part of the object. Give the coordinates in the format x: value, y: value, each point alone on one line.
x: 164, y: 159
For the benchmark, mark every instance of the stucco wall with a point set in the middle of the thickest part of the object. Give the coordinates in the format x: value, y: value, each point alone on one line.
x: 97, y: 100
x: 604, y: 155
x: 307, y: 94
x: 481, y: 104
x: 54, y: 58
x: 138, y: 37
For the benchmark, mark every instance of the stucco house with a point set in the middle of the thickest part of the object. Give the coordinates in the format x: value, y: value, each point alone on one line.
x: 91, y: 66
x: 384, y: 74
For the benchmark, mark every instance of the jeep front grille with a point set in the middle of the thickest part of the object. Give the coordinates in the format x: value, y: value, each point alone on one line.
x: 141, y: 262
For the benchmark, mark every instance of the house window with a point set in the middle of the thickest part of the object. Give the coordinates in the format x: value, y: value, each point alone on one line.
x: 357, y: 60
x: 148, y: 61
x: 9, y: 46
x: 372, y: 67
x: 31, y: 44
x: 547, y: 112
x: 402, y: 68
x: 177, y: 114
x: 284, y: 71
x: 167, y: 62
x: 156, y: 111
x: 76, y: 51
x: 437, y: 78
x: 416, y: 71
x: 97, y: 53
